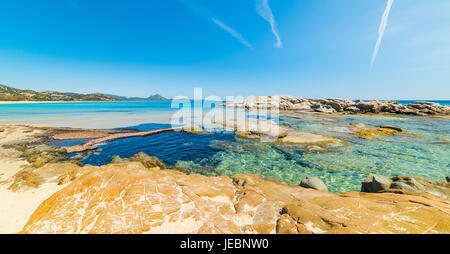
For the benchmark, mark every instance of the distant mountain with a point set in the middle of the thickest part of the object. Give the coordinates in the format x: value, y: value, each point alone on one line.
x: 155, y: 97
x: 8, y: 93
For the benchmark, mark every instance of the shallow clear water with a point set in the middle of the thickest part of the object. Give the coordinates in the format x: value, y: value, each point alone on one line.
x: 105, y: 115
x: 422, y: 151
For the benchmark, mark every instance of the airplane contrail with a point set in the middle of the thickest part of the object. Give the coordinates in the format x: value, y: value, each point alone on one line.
x: 381, y: 29
x: 263, y: 9
x: 202, y: 11
x: 232, y: 32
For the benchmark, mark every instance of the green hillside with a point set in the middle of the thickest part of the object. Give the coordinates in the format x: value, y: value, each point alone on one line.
x: 8, y: 93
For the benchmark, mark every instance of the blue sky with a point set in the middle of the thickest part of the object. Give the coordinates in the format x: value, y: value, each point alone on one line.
x: 226, y: 47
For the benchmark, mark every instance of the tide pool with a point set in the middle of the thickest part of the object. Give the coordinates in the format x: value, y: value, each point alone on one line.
x: 423, y: 150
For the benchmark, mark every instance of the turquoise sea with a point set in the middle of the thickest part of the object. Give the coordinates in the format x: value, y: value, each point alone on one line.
x: 422, y: 151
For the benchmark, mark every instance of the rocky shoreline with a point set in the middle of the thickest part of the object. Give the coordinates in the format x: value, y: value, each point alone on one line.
x: 141, y: 195
x: 291, y: 103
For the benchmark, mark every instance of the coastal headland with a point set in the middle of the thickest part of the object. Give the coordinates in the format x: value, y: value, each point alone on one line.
x: 45, y: 191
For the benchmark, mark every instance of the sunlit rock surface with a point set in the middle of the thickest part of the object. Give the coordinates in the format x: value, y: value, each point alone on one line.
x: 258, y: 129
x: 127, y: 197
x: 254, y: 128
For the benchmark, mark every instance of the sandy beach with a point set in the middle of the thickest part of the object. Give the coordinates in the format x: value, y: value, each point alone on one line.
x: 18, y: 206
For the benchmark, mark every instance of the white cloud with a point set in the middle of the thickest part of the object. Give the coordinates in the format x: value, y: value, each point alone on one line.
x: 263, y: 9
x: 381, y: 29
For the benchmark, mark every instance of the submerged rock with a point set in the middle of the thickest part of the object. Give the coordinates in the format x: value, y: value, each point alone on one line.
x: 375, y: 183
x: 272, y: 132
x: 314, y: 148
x: 254, y: 128
x: 314, y: 183
x: 308, y: 138
x: 370, y: 133
x: 358, y: 125
x: 192, y: 129
x: 247, y: 135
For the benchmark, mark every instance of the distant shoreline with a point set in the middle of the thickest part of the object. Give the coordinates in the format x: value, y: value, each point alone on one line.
x: 442, y: 102
x: 31, y: 102
x: 36, y: 102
